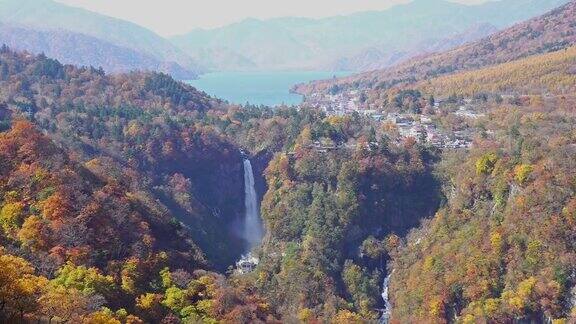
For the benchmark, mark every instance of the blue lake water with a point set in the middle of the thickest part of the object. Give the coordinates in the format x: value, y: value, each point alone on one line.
x: 258, y: 88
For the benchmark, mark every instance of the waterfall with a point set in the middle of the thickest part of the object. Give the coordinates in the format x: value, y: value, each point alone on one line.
x: 387, y: 311
x: 252, y: 225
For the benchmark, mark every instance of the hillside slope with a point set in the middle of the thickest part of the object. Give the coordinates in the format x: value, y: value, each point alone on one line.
x: 83, y: 50
x: 502, y: 249
x: 48, y: 15
x: 550, y: 73
x: 144, y: 131
x: 550, y: 32
x: 59, y: 208
x: 77, y: 247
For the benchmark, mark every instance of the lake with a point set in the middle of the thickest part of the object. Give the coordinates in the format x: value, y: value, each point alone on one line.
x: 258, y: 88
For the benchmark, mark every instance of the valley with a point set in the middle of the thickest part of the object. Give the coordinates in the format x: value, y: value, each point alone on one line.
x: 436, y: 188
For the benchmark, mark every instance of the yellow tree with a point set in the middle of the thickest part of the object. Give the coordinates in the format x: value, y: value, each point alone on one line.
x: 11, y: 216
x: 29, y: 289
x: 34, y: 233
x: 13, y: 269
x: 63, y: 304
x: 20, y: 289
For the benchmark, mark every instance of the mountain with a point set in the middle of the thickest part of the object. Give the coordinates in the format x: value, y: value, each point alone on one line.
x: 301, y: 43
x: 138, y: 129
x: 80, y: 49
x: 547, y: 33
x: 374, y: 58
x: 39, y: 22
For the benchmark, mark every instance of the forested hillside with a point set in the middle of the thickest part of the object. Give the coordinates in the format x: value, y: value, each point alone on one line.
x: 142, y: 130
x: 502, y: 249
x: 546, y: 74
x: 60, y: 210
x: 328, y: 215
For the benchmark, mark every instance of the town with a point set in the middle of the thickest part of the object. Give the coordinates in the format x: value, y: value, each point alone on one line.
x: 424, y: 128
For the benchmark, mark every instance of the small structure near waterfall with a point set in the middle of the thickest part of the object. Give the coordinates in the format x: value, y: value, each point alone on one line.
x: 246, y: 264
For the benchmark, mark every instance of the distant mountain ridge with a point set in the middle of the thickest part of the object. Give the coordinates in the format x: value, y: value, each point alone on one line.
x: 39, y: 23
x: 374, y: 58
x: 359, y: 41
x: 80, y: 49
x: 550, y: 32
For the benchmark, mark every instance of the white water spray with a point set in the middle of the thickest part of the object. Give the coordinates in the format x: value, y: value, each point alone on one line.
x: 252, y: 224
x: 387, y: 311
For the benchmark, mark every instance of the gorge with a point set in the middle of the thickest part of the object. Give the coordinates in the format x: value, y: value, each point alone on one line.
x: 136, y: 198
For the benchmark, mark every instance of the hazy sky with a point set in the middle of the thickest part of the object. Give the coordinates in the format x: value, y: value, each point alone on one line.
x: 169, y: 17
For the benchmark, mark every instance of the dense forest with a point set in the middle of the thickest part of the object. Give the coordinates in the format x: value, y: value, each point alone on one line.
x: 117, y: 165
x: 334, y: 194
x: 503, y: 246
x: 142, y: 130
x: 328, y: 215
x: 546, y: 74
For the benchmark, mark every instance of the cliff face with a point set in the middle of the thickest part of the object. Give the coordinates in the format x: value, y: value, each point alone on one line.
x: 260, y: 162
x: 205, y: 191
